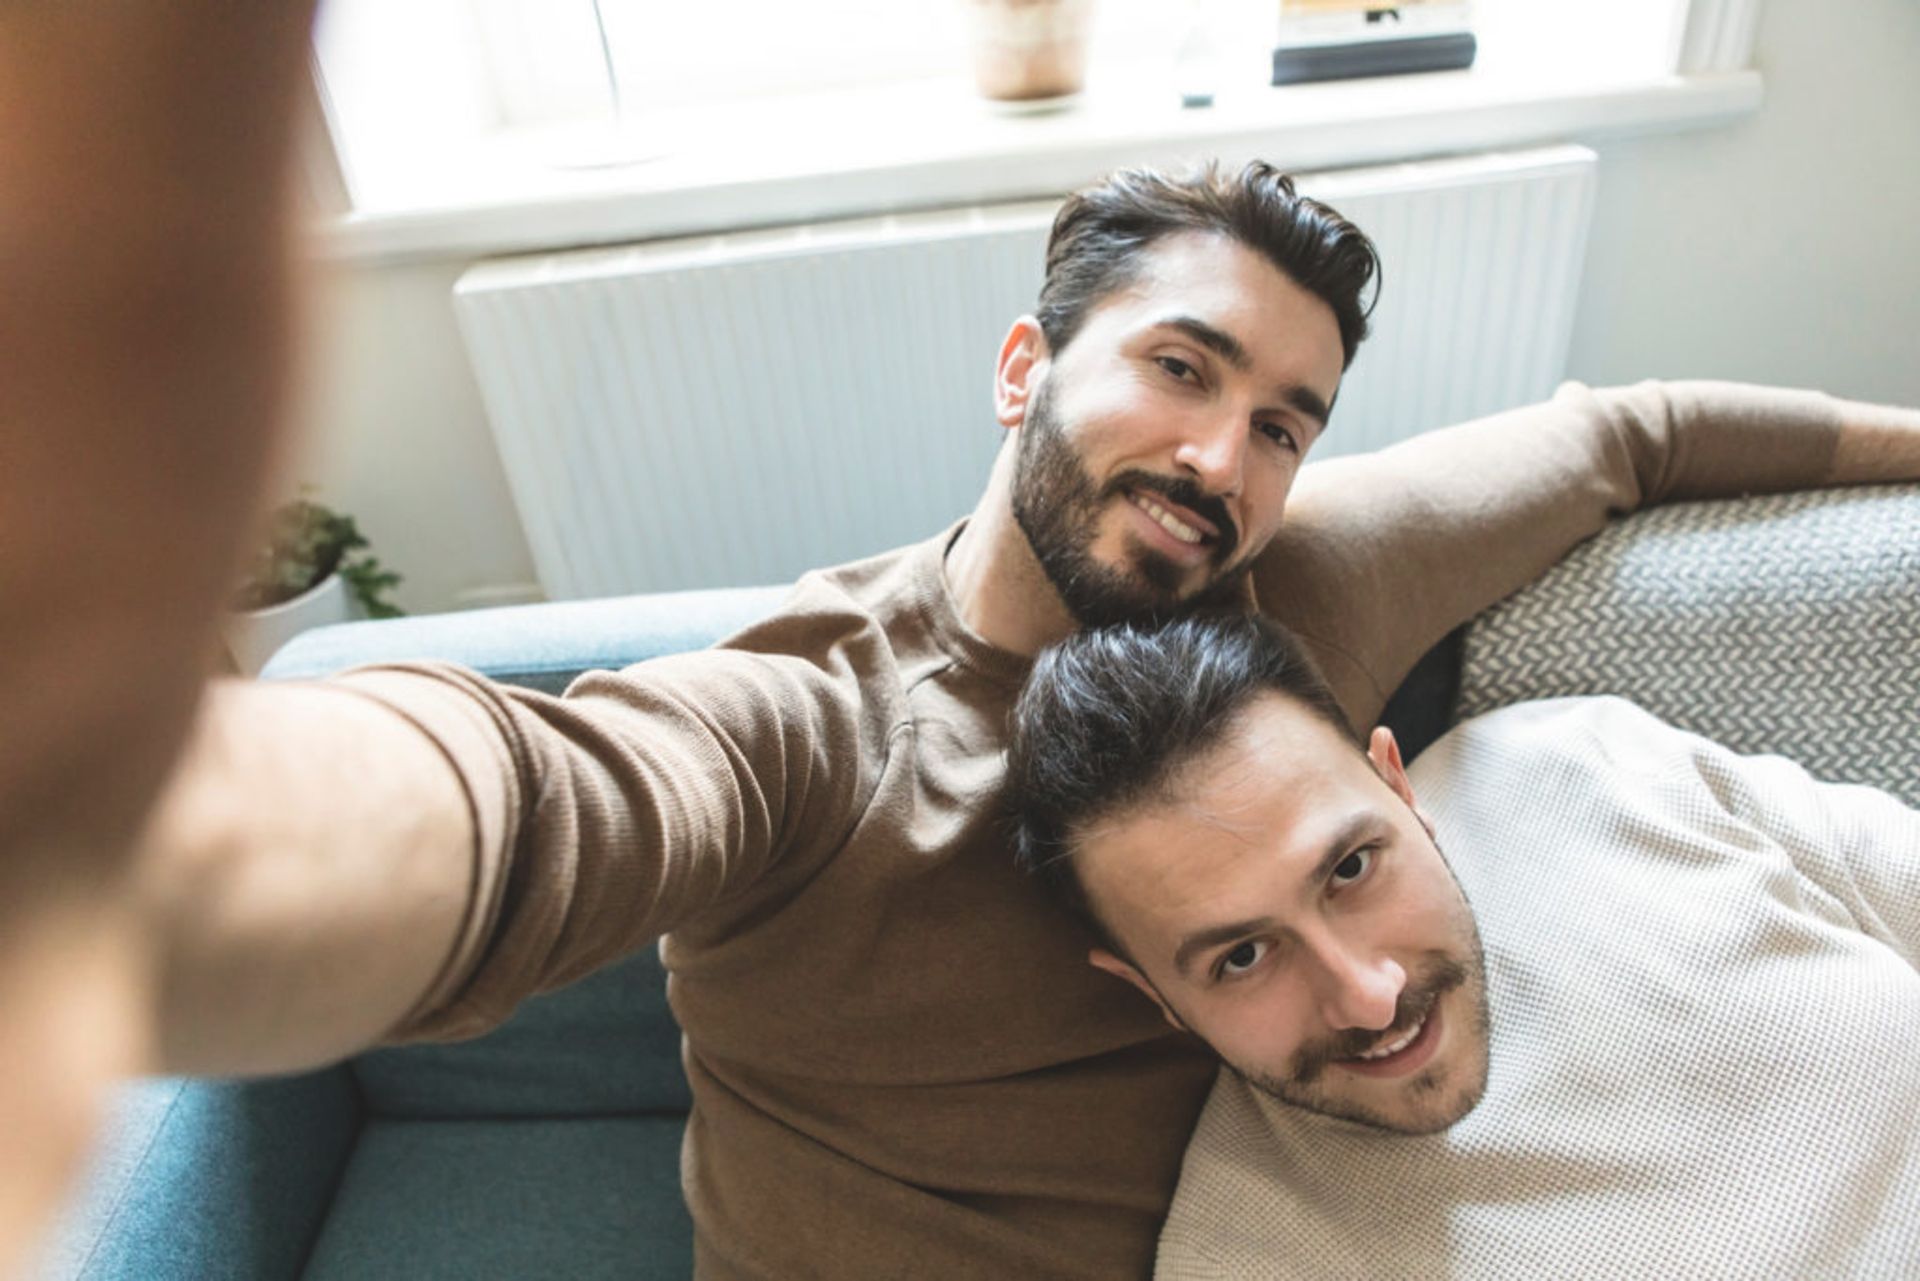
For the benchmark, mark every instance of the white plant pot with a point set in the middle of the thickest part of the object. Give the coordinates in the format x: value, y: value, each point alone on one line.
x: 254, y: 636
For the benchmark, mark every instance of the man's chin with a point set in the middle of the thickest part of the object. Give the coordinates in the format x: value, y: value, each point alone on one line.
x: 1099, y: 595
x: 1148, y: 589
x: 1444, y: 1106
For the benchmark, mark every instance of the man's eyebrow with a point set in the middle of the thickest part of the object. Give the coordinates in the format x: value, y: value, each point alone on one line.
x: 1214, y: 339
x: 1213, y: 936
x: 1356, y: 825
x: 1230, y: 349
x: 1308, y: 402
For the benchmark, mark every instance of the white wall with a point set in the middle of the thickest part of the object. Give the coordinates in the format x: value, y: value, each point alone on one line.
x: 394, y: 433
x: 1785, y: 249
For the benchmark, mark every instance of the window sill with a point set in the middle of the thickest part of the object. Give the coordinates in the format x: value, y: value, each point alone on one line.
x: 934, y: 144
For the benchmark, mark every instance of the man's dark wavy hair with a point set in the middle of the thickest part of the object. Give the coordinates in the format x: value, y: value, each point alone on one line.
x: 1099, y: 236
x: 1110, y: 715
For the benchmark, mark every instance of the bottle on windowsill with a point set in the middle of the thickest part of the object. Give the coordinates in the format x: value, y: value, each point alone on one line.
x: 1196, y: 66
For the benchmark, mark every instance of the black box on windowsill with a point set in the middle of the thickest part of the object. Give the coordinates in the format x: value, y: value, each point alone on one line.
x: 1347, y: 39
x: 1373, y: 58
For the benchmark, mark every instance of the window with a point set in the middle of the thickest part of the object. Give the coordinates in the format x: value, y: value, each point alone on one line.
x: 440, y: 104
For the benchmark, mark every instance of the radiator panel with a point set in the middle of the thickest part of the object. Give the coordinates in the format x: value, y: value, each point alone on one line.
x: 733, y: 410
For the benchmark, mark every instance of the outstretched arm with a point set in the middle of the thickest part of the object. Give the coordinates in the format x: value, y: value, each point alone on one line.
x: 303, y: 879
x: 1382, y: 554
x: 408, y: 852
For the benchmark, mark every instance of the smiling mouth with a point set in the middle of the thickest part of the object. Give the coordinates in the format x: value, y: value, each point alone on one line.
x: 1180, y: 529
x: 1406, y: 1053
x: 1399, y: 1043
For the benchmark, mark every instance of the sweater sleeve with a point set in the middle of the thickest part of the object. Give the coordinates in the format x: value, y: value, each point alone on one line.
x: 1859, y: 844
x: 1382, y: 554
x: 637, y: 802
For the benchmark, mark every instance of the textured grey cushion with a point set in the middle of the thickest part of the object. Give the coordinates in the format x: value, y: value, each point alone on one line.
x: 1787, y: 624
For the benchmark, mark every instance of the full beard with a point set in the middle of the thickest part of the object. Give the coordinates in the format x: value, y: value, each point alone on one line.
x: 1058, y: 508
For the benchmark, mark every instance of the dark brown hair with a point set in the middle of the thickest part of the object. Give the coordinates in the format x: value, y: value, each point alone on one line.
x: 1100, y: 233
x: 1111, y: 714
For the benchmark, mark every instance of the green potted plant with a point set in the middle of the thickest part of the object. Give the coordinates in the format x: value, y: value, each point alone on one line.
x: 313, y: 569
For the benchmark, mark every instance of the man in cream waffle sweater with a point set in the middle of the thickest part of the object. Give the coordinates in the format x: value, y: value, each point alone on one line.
x: 1673, y: 1034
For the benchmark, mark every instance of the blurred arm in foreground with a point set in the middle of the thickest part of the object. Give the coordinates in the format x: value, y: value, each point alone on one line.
x: 145, y: 337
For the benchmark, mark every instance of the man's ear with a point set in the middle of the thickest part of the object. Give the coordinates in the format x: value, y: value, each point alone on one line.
x: 1105, y: 960
x: 1384, y: 751
x: 1022, y: 355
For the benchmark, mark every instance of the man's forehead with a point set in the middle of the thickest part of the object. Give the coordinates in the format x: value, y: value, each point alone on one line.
x: 1262, y: 805
x: 1180, y: 855
x: 1217, y: 280
x: 1169, y: 260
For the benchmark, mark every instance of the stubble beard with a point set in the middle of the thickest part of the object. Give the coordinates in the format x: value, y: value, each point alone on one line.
x: 1058, y: 507
x: 1436, y: 1102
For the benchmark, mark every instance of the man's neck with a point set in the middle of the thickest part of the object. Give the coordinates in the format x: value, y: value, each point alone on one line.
x: 998, y: 587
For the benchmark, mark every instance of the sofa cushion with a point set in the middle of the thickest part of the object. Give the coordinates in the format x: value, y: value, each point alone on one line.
x: 474, y: 1200
x: 1787, y: 624
x: 607, y: 1044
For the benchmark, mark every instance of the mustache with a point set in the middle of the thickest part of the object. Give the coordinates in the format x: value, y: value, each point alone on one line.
x: 1415, y: 1003
x: 1188, y: 495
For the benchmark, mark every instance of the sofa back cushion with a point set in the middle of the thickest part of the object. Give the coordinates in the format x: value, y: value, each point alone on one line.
x: 1787, y: 624
x: 603, y: 1046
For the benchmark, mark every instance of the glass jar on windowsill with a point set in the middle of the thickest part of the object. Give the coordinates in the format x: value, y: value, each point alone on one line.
x: 1029, y: 53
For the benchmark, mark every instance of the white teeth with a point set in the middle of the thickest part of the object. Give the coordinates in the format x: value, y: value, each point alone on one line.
x: 1397, y: 1046
x: 1168, y: 521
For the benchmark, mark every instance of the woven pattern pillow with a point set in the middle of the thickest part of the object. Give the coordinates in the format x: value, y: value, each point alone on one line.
x: 1787, y: 624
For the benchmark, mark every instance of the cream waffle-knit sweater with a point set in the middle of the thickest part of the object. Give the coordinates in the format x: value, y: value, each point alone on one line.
x: 1706, y: 1034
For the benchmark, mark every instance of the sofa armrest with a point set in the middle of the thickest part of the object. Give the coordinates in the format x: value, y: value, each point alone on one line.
x: 540, y: 647
x: 204, y: 1180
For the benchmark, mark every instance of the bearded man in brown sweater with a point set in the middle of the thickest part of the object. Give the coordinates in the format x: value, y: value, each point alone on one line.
x: 901, y: 1064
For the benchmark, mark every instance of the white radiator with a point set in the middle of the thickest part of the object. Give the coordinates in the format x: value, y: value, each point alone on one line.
x: 737, y: 409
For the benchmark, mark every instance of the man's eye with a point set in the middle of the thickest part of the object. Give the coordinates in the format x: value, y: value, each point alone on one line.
x: 1177, y: 367
x: 1241, y: 959
x: 1353, y: 866
x: 1281, y: 435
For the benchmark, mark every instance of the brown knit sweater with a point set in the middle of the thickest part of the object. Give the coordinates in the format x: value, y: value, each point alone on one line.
x: 902, y: 1064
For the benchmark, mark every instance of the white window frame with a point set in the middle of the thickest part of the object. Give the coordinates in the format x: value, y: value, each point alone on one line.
x: 1717, y: 36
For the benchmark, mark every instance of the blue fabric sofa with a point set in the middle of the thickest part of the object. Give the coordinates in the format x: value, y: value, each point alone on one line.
x: 551, y: 1146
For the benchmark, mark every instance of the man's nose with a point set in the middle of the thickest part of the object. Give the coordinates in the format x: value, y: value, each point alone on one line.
x: 1358, y: 986
x: 1214, y: 452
